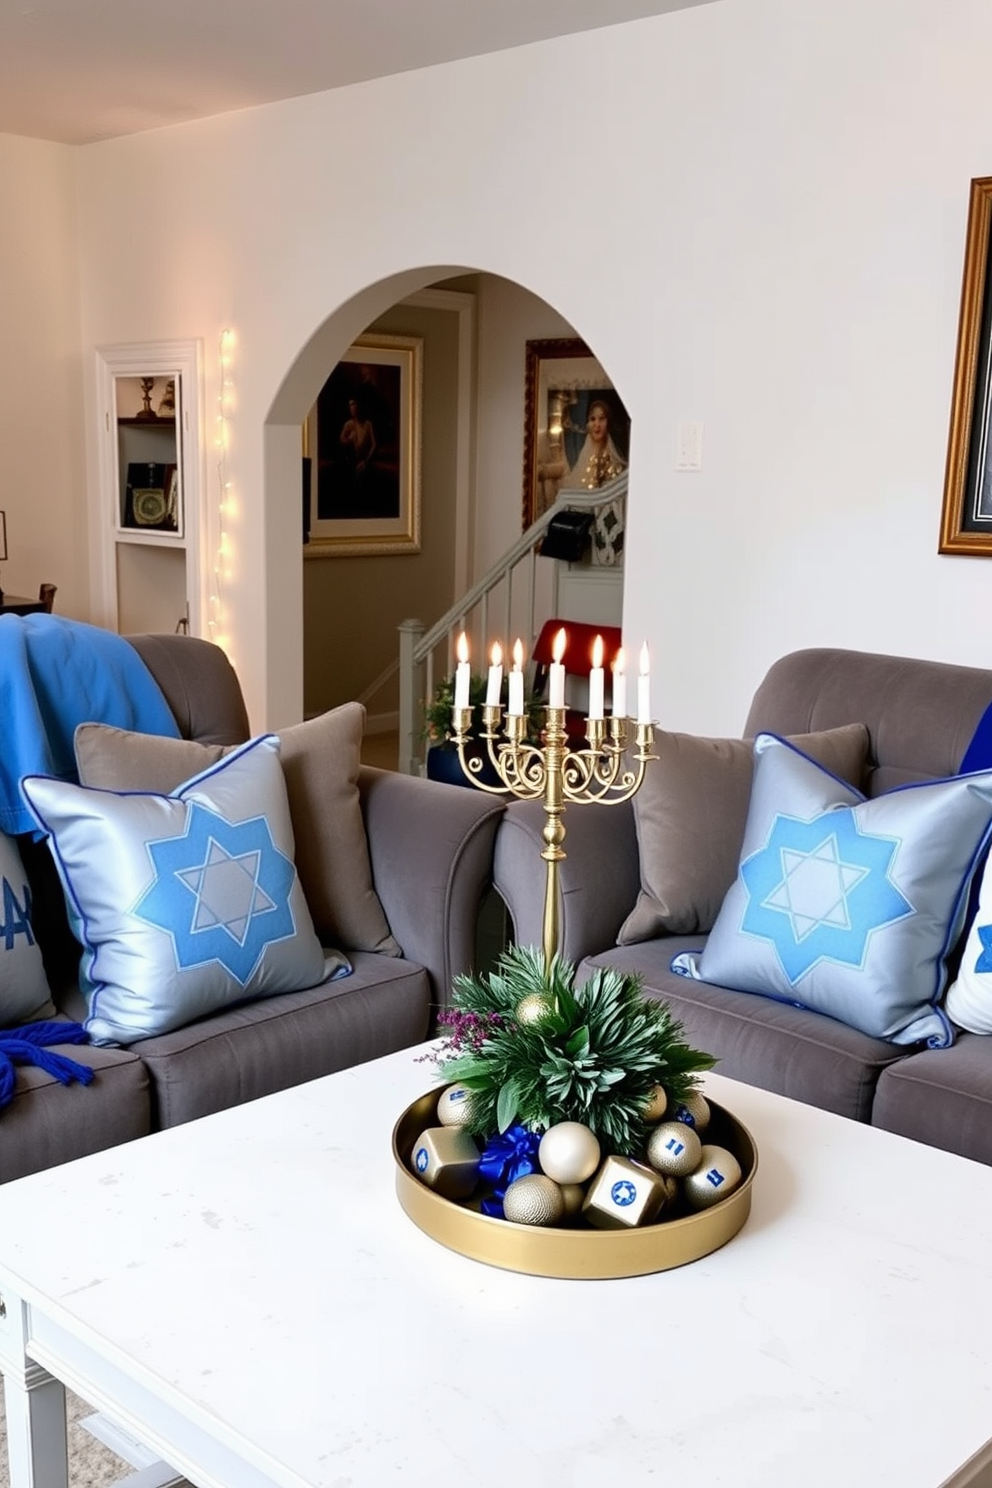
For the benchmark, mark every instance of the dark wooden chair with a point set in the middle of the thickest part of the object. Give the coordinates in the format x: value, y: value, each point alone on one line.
x: 46, y: 596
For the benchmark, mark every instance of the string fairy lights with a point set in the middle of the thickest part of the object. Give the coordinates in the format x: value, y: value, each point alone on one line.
x: 218, y: 620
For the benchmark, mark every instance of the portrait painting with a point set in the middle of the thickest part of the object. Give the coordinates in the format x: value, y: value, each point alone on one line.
x: 362, y: 452
x: 966, y: 517
x: 576, y: 432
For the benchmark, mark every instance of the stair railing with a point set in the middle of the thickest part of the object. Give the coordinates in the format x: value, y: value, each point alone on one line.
x: 524, y: 605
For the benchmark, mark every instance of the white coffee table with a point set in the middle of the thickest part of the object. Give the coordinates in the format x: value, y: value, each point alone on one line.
x: 246, y: 1295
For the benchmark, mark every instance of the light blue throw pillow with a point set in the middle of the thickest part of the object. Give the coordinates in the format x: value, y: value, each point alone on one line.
x: 845, y: 905
x: 186, y: 903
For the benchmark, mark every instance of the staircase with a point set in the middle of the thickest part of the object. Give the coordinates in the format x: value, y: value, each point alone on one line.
x: 513, y: 599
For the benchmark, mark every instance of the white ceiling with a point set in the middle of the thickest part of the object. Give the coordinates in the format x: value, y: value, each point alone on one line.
x: 85, y: 70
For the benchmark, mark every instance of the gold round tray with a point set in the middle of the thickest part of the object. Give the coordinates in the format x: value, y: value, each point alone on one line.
x: 576, y: 1253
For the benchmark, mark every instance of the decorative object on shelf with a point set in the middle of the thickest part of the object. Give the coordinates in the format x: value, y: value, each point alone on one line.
x: 565, y: 1165
x: 151, y: 496
x: 167, y: 402
x: 146, y: 412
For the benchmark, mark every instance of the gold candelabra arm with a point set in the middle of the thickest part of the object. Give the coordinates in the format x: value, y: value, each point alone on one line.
x: 556, y: 774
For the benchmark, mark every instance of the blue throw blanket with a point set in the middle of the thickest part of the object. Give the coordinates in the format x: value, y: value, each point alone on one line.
x: 26, y: 1046
x: 55, y: 674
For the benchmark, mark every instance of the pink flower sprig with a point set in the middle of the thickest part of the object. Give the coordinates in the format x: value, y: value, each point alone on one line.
x: 464, y: 1033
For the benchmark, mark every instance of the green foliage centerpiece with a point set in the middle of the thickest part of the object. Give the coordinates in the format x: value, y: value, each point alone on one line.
x: 533, y: 1049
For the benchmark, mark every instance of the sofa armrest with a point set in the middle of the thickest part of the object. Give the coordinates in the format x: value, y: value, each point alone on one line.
x: 599, y: 876
x: 431, y: 847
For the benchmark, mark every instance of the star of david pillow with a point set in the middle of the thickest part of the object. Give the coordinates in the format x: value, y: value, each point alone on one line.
x: 184, y: 903
x: 969, y: 997
x: 24, y: 994
x: 845, y: 905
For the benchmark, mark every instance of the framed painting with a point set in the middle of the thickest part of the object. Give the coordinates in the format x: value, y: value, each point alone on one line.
x: 361, y: 448
x: 966, y: 519
x: 576, y: 428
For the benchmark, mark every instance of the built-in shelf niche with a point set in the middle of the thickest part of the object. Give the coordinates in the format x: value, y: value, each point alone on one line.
x: 150, y: 484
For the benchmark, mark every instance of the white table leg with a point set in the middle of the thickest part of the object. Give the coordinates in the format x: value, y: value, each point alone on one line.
x: 37, y: 1446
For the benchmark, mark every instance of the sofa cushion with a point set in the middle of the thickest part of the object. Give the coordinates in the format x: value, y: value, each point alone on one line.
x: 942, y: 1097
x: 320, y: 760
x: 48, y: 1123
x: 24, y: 990
x: 259, y: 1047
x: 773, y: 1045
x: 690, y: 814
x: 848, y: 906
x: 184, y: 903
x: 969, y: 997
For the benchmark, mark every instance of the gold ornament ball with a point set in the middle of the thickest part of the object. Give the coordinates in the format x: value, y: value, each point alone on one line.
x: 454, y: 1107
x: 715, y: 1176
x: 674, y: 1148
x: 569, y: 1152
x: 573, y: 1196
x: 532, y: 1009
x: 656, y: 1105
x: 533, y: 1200
x: 694, y: 1111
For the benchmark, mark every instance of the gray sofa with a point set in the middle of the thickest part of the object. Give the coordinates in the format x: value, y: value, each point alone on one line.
x: 431, y: 855
x: 921, y: 717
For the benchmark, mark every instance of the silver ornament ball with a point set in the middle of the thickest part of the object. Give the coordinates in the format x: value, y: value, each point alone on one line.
x: 569, y: 1152
x: 533, y: 1200
x: 715, y: 1176
x: 674, y: 1148
x: 454, y: 1107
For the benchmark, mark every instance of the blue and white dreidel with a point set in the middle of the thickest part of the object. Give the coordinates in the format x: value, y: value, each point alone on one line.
x: 623, y: 1195
x: 716, y: 1175
x: 446, y: 1158
x: 454, y: 1107
x: 674, y: 1149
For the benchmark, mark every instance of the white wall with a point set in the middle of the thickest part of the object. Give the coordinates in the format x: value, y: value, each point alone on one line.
x: 43, y: 488
x: 753, y: 211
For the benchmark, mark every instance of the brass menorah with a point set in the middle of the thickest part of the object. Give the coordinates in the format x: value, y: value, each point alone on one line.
x: 553, y: 772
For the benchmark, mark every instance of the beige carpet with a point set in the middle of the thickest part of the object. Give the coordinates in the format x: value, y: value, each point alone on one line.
x: 91, y: 1464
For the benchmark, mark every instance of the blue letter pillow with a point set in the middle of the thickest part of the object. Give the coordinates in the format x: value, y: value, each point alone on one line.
x: 24, y: 990
x: 186, y: 903
x: 969, y: 997
x: 845, y: 905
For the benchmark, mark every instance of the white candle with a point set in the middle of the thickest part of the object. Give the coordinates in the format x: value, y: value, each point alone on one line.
x: 556, y: 681
x: 462, y: 673
x: 516, y: 680
x: 495, y: 683
x: 644, y: 688
x: 619, y: 686
x: 596, y: 680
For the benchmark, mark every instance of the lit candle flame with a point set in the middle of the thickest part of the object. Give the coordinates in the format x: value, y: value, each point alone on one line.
x: 462, y: 647
x: 644, y: 665
x: 496, y: 655
x: 619, y: 663
x: 597, y: 651
x: 518, y: 654
x: 560, y: 642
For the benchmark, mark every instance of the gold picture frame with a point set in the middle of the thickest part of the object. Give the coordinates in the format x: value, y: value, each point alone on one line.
x: 561, y: 382
x: 966, y: 518
x: 361, y: 449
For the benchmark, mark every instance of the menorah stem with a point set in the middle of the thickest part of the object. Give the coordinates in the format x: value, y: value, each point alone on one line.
x: 555, y: 740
